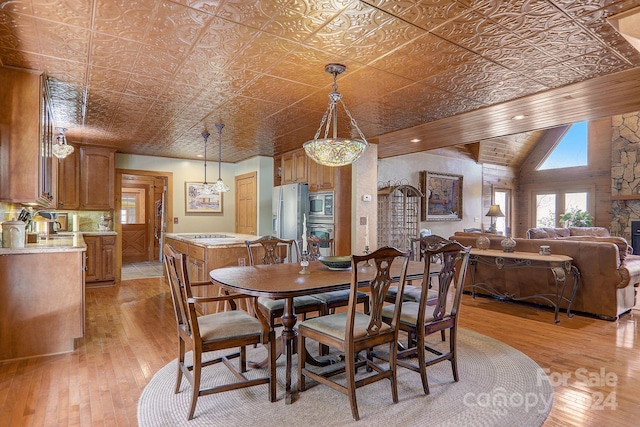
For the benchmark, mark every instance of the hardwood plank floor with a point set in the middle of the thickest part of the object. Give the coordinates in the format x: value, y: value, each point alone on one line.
x: 130, y: 335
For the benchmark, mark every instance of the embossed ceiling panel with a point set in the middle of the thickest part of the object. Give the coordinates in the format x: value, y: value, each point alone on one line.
x: 148, y: 76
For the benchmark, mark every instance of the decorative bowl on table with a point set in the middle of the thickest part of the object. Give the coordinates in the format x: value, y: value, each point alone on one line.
x: 336, y: 262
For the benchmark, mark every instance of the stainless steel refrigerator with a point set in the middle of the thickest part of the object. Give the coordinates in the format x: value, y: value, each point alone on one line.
x: 290, y: 204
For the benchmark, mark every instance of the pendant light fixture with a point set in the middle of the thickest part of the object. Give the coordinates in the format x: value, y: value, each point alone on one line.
x: 220, y: 186
x: 334, y: 151
x: 206, y: 187
x: 60, y: 149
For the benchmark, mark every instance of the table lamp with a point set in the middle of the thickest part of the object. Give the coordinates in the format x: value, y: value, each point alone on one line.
x: 494, y: 212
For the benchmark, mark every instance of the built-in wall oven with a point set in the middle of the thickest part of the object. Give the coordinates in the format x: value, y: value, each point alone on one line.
x: 323, y: 231
x: 321, y: 207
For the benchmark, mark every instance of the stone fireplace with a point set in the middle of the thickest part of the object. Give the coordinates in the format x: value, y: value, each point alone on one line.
x: 625, y: 175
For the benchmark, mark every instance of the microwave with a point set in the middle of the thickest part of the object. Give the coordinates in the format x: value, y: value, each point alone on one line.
x: 321, y: 207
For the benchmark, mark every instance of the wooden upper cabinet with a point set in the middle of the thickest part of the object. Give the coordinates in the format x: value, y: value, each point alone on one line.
x: 294, y: 167
x: 27, y: 167
x: 321, y: 178
x: 97, y: 178
x: 69, y: 181
x: 300, y: 161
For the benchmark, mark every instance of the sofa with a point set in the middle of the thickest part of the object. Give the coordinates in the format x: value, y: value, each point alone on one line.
x: 609, y: 274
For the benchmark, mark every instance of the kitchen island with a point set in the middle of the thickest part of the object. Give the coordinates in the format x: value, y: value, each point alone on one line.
x: 42, y: 297
x: 207, y: 251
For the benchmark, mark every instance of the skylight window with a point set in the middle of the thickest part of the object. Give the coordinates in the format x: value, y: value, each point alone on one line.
x: 570, y: 151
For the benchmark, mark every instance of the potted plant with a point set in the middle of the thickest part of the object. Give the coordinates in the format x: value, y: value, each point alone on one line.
x: 576, y: 218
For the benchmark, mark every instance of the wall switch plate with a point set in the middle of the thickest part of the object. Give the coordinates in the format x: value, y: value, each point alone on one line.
x: 363, y: 220
x: 366, y: 198
x: 242, y: 262
x: 175, y: 219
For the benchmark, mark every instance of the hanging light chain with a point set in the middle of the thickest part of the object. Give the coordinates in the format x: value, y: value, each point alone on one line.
x: 220, y: 126
x: 205, y: 135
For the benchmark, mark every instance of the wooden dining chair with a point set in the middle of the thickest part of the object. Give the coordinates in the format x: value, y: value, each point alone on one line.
x: 419, y: 247
x: 420, y: 319
x: 219, y: 331
x: 315, y: 243
x: 333, y: 299
x: 276, y: 251
x: 353, y: 332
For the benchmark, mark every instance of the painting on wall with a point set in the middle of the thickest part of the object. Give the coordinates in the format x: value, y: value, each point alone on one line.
x: 200, y: 199
x: 442, y: 199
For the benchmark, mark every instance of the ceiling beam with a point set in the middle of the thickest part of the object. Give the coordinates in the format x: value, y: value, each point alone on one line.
x: 605, y: 96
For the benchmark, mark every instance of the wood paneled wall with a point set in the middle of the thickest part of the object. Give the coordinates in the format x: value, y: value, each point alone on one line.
x: 596, y: 177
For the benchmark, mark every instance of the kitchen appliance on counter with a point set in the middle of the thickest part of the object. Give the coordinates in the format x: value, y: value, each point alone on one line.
x: 289, y: 208
x: 44, y: 223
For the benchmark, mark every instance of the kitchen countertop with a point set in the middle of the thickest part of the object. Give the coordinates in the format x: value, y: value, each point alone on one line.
x: 212, y: 240
x: 60, y: 242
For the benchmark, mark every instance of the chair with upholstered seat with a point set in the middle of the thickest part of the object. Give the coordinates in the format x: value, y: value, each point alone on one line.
x: 333, y: 299
x: 420, y: 319
x: 276, y: 251
x: 353, y: 332
x: 418, y: 248
x: 213, y: 332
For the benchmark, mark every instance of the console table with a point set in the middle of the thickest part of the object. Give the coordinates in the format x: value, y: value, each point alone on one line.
x: 559, y: 265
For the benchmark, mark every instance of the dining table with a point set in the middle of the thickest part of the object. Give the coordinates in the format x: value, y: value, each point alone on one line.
x: 285, y: 281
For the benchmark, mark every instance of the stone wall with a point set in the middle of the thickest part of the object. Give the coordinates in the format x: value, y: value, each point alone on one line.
x: 625, y: 172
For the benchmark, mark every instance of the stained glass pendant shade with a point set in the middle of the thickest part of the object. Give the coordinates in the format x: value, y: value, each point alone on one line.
x: 334, y: 151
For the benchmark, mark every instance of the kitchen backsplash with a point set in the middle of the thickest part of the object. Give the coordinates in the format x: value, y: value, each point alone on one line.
x: 88, y: 219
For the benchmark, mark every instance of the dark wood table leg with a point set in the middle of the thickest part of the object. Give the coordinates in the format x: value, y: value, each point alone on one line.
x: 289, y: 334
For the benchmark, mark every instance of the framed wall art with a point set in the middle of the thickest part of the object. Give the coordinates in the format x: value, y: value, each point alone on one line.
x: 442, y: 199
x: 199, y: 199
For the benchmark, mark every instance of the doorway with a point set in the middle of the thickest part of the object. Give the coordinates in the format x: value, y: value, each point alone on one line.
x: 143, y: 206
x: 246, y: 204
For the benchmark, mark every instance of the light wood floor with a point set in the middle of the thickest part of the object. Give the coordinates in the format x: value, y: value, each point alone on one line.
x: 130, y: 335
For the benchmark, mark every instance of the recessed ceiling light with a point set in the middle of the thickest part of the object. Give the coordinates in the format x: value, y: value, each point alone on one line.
x: 199, y: 155
x: 518, y: 117
x: 415, y: 140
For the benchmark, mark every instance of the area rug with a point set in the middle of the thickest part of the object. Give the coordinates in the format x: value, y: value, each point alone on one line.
x: 499, y: 386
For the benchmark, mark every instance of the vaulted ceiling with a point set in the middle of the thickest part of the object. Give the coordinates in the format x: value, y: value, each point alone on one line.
x: 148, y: 76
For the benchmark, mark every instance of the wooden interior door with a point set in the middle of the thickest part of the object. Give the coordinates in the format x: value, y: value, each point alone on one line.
x: 246, y: 204
x: 137, y: 208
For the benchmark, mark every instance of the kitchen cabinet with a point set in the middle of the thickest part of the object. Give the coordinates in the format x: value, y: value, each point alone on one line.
x: 100, y: 265
x: 42, y: 303
x: 294, y: 167
x: 27, y: 167
x: 321, y: 177
x: 97, y: 178
x: 68, y: 193
x: 196, y: 264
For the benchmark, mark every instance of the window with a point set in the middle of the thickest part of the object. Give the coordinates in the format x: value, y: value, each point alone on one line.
x: 545, y: 210
x: 549, y: 205
x: 570, y: 151
x: 575, y: 201
x: 133, y: 201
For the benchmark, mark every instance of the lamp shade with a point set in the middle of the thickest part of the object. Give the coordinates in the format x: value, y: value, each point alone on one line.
x: 495, y: 211
x: 334, y: 151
